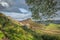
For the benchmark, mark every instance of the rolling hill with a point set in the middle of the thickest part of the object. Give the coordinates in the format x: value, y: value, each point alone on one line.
x: 13, y: 30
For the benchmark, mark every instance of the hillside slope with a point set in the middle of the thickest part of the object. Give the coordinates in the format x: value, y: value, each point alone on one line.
x: 13, y: 30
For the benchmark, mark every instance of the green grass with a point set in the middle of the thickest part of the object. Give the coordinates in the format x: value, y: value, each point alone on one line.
x: 1, y: 35
x: 13, y: 31
x: 53, y: 27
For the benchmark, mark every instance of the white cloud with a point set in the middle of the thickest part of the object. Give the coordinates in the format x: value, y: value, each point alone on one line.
x: 23, y: 10
x: 4, y: 4
x: 18, y: 16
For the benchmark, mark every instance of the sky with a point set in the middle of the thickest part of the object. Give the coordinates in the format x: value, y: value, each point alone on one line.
x: 19, y: 10
x: 14, y: 4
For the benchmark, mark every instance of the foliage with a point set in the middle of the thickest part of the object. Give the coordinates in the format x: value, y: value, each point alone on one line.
x: 1, y: 35
x: 13, y: 31
x: 45, y: 7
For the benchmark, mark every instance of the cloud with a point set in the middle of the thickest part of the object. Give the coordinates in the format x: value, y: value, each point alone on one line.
x: 18, y: 16
x: 14, y: 4
x: 4, y: 4
x: 23, y: 10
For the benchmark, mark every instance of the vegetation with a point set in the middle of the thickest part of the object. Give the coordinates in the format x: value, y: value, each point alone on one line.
x: 53, y: 27
x: 11, y: 30
x: 1, y: 35
x: 42, y: 8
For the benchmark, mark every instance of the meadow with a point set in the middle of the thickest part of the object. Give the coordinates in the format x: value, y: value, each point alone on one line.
x: 13, y: 30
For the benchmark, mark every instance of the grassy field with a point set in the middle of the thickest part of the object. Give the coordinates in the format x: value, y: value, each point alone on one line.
x: 13, y: 30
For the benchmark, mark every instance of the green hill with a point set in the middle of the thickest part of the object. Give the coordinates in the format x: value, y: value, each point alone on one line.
x: 13, y: 30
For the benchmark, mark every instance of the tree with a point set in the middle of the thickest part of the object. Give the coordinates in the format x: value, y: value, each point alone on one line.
x: 46, y: 8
